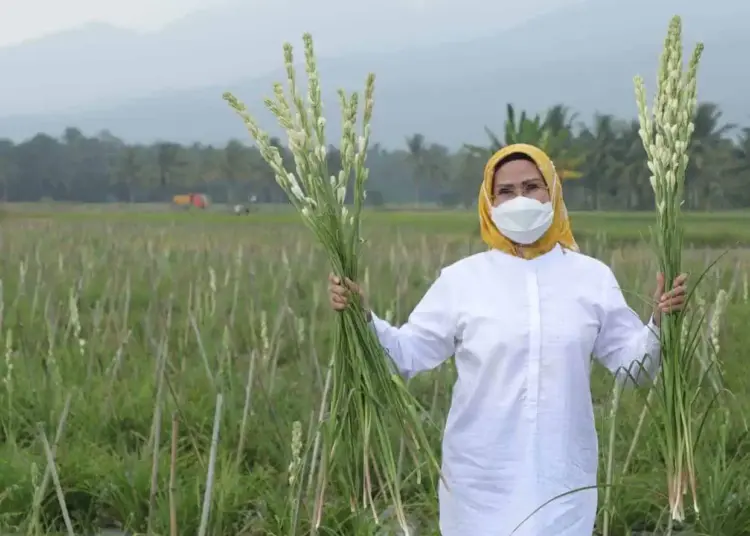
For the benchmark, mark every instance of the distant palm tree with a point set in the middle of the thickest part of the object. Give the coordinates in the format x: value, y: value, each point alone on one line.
x: 704, y: 167
x: 742, y: 152
x: 418, y: 157
x: 551, y: 133
x: 166, y: 158
x: 601, y: 140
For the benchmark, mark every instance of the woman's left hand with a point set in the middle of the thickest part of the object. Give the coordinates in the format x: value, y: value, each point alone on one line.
x: 672, y: 301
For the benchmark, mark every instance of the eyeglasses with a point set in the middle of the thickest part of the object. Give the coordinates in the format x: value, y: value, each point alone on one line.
x: 527, y: 188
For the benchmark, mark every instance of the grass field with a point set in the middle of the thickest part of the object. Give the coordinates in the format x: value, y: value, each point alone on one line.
x: 718, y: 229
x: 121, y: 327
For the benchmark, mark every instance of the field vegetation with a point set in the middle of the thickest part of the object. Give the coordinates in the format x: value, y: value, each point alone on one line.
x: 170, y: 367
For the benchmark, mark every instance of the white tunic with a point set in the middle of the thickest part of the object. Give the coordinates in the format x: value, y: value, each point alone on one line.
x: 520, y: 430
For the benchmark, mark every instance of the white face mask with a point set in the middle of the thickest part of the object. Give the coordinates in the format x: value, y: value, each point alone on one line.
x: 522, y: 219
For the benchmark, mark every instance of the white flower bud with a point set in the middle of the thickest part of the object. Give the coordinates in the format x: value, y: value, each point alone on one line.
x: 671, y: 179
x: 297, y: 192
x: 294, y: 187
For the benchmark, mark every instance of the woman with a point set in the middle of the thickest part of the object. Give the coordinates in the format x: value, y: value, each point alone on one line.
x: 522, y: 320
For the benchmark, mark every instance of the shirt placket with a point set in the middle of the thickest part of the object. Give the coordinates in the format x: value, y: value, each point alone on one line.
x: 532, y: 390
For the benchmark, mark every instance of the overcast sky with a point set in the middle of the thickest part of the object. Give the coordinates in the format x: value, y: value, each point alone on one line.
x: 21, y: 20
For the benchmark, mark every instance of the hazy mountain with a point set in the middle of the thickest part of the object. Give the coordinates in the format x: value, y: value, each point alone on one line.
x: 584, y: 56
x: 99, y: 64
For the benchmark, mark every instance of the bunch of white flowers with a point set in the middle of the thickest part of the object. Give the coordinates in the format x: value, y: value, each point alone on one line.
x: 666, y: 130
x: 366, y: 399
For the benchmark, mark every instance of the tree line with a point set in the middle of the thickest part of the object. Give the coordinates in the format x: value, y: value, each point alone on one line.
x: 602, y: 162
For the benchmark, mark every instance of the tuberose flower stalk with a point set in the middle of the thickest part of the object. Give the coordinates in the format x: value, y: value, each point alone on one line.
x: 366, y: 399
x: 666, y: 130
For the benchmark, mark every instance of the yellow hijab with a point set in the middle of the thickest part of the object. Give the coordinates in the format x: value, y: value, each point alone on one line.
x: 558, y: 233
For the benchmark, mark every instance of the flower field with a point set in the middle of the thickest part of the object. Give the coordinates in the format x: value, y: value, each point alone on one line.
x: 163, y: 373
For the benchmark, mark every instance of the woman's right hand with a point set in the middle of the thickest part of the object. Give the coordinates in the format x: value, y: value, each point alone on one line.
x: 340, y: 293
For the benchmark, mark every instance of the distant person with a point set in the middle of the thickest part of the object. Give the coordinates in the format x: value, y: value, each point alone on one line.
x: 523, y: 320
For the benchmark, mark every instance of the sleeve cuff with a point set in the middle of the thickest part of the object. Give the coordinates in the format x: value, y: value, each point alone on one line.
x: 654, y: 333
x: 377, y: 324
x: 653, y: 343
